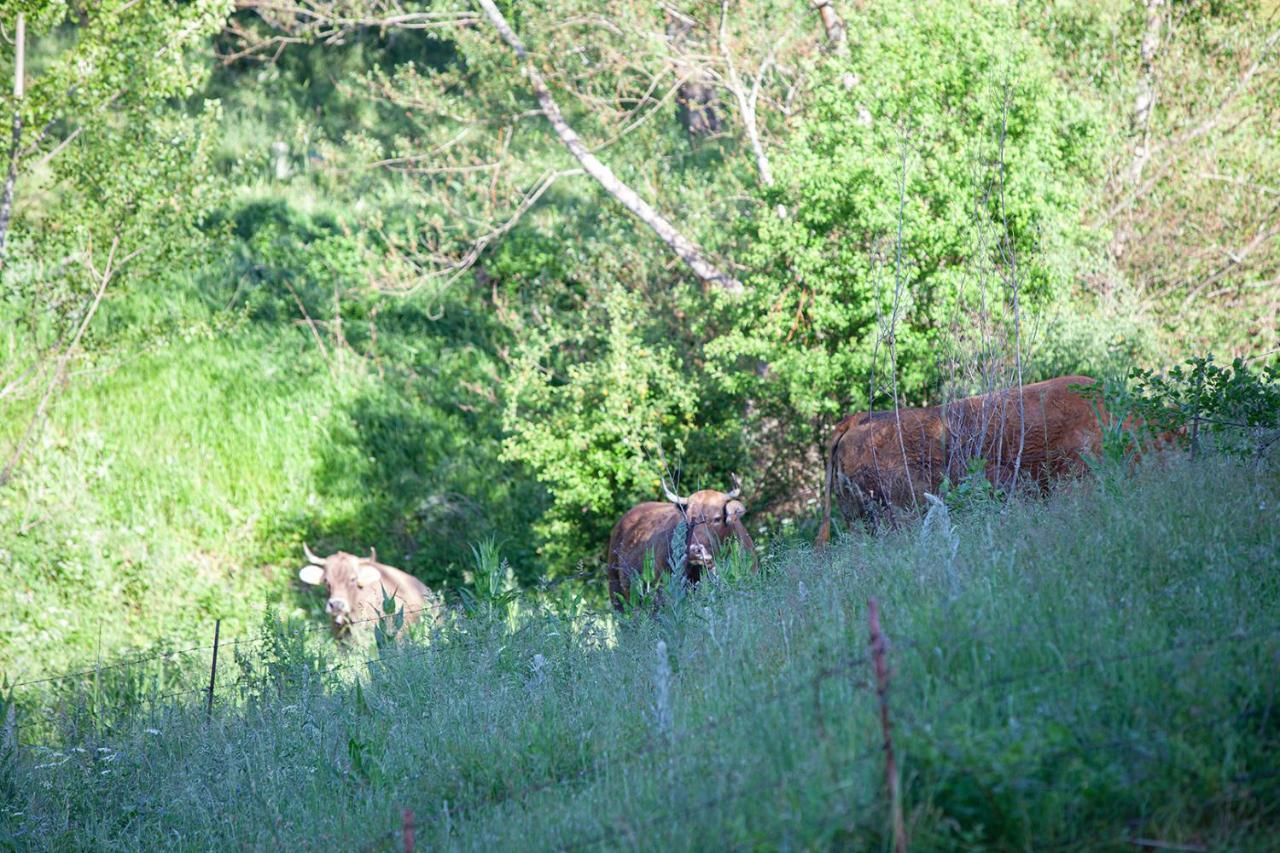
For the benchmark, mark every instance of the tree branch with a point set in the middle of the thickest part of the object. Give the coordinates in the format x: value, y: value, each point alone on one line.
x: 837, y: 38
x: 11, y: 179
x: 104, y: 277
x: 685, y: 249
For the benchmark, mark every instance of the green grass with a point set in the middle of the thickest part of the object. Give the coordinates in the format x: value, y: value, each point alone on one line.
x: 204, y: 436
x: 139, y: 513
x: 1080, y: 672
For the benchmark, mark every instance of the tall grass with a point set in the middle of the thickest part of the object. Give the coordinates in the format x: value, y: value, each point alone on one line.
x: 1081, y: 672
x: 139, y: 513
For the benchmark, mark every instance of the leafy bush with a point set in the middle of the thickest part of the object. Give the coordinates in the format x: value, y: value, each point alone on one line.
x: 1236, y: 409
x: 941, y: 155
x: 595, y: 405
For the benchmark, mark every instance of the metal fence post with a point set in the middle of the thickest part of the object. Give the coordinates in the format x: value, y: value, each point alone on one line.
x: 213, y: 670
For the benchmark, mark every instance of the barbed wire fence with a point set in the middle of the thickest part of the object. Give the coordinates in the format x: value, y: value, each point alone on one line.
x: 133, y: 661
x: 882, y: 810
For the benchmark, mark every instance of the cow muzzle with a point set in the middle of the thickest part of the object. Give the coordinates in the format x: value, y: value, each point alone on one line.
x: 700, y: 555
x: 337, y: 607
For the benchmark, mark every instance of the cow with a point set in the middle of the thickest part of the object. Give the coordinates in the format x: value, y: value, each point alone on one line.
x: 879, y: 461
x: 356, y: 586
x: 711, y: 519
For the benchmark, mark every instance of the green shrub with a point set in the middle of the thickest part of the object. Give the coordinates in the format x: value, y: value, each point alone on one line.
x: 941, y: 158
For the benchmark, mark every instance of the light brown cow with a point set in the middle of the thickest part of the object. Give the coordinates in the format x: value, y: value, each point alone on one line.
x: 356, y: 584
x: 712, y: 518
x: 1032, y: 434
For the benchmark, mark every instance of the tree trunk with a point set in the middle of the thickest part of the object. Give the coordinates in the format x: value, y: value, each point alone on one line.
x: 696, y: 96
x: 1145, y: 102
x: 11, y: 179
x: 681, y: 245
x: 837, y: 39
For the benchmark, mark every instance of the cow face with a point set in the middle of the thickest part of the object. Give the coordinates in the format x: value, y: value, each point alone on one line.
x: 713, y: 518
x: 345, y: 576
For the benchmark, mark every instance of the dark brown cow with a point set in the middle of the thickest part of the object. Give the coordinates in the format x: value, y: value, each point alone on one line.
x: 356, y: 584
x: 882, y: 460
x: 711, y: 517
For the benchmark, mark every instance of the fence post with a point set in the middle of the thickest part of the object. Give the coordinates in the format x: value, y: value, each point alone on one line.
x: 890, y: 764
x: 213, y: 670
x: 406, y: 829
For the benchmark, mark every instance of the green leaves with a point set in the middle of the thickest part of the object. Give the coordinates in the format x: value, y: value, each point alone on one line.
x: 594, y: 403
x: 933, y: 162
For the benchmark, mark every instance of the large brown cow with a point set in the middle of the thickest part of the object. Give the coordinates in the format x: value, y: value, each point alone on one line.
x: 711, y: 519
x: 356, y: 584
x: 1033, y: 434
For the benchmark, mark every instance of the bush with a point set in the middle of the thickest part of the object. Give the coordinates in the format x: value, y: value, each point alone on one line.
x: 1235, y: 409
x: 940, y: 158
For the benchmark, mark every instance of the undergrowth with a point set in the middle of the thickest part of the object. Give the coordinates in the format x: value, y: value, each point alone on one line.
x: 1082, y: 671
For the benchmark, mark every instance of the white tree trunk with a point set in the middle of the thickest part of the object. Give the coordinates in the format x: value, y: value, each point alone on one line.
x: 1145, y: 102
x: 19, y: 82
x: 685, y: 249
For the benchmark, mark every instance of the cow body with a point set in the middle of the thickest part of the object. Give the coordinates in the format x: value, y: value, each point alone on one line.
x: 356, y: 586
x: 711, y: 519
x: 1033, y: 434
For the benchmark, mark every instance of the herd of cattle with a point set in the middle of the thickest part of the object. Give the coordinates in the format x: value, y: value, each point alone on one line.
x: 877, y: 464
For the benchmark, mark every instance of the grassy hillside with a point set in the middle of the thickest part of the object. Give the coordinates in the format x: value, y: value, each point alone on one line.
x: 1081, y: 672
x: 208, y: 435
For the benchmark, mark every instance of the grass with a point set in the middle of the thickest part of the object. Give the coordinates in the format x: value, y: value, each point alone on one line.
x: 1081, y: 672
x: 134, y: 521
x: 205, y: 437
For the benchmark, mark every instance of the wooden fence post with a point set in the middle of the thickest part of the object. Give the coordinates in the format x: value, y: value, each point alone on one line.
x: 406, y: 829
x: 213, y: 671
x: 892, y: 787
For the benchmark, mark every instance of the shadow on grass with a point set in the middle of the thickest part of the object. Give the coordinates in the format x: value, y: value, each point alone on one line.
x: 411, y: 462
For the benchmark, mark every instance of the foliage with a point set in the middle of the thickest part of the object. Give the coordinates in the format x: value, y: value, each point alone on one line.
x: 493, y: 591
x: 1236, y: 407
x: 1094, y: 667
x: 919, y: 173
x: 1192, y: 221
x: 102, y: 157
x: 341, y: 315
x: 595, y: 407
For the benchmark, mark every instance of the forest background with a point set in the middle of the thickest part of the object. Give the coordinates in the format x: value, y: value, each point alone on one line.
x: 280, y: 271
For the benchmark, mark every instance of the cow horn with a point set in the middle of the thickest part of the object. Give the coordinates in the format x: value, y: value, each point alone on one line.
x: 312, y: 557
x: 672, y: 496
x: 373, y: 554
x: 737, y: 487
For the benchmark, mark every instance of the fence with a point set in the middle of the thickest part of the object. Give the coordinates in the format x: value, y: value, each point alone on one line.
x: 879, y: 808
x: 883, y: 809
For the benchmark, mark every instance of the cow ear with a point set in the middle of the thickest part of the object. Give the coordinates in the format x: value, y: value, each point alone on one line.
x: 367, y: 573
x: 311, y: 575
x: 734, y: 510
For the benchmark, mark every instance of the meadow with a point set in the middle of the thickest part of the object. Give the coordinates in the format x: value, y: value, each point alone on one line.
x: 1090, y: 671
x: 285, y: 272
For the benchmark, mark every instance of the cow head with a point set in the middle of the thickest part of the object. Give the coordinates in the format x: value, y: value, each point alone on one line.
x: 344, y: 576
x: 713, y: 518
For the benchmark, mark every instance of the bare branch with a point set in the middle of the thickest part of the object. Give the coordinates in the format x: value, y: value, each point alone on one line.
x: 60, y: 368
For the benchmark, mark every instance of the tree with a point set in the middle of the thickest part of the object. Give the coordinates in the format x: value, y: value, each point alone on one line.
x: 118, y: 174
x: 920, y: 175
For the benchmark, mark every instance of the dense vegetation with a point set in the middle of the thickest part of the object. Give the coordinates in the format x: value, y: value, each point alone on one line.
x: 1083, y: 672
